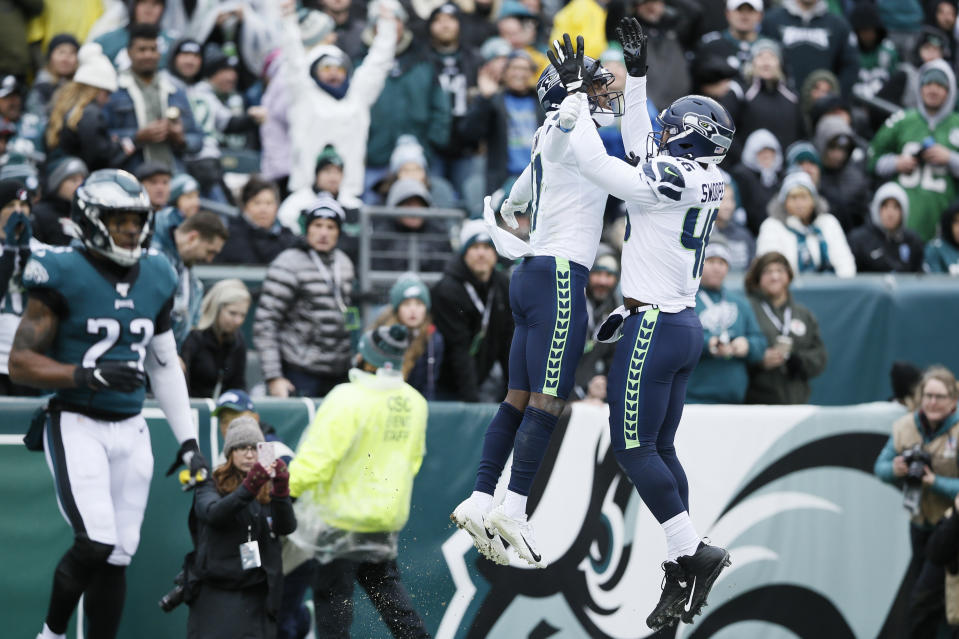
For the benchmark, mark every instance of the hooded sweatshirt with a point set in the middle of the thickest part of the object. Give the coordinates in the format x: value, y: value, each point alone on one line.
x: 879, y: 250
x: 942, y: 253
x: 930, y: 188
x: 758, y: 185
x: 813, y: 39
x: 846, y: 188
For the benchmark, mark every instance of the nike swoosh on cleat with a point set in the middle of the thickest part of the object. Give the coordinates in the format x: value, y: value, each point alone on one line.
x: 692, y: 592
x: 532, y: 553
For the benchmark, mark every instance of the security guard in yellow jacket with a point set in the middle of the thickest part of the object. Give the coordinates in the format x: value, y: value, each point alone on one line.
x: 353, y: 477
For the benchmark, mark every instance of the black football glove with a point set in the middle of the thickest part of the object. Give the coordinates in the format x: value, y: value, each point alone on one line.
x: 633, y: 39
x: 122, y: 376
x: 569, y: 64
x: 190, y: 456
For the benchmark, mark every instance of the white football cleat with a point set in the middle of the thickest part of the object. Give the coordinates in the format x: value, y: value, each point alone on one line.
x: 517, y: 533
x: 470, y: 518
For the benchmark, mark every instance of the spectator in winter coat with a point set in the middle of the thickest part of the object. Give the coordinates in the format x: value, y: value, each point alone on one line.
x: 198, y: 239
x: 843, y: 182
x: 813, y: 38
x: 155, y: 178
x: 412, y: 101
x: 333, y: 103
x: 799, y: 227
x: 78, y: 123
x: 942, y: 253
x: 739, y: 243
x: 884, y: 244
x: 115, y: 43
x: 878, y: 57
x: 498, y: 113
x: 803, y: 156
x: 149, y: 109
x: 329, y: 179
x: 757, y: 175
x: 241, y: 502
x: 398, y: 235
x: 256, y: 236
x: 794, y: 352
x: 767, y: 101
x: 586, y: 18
x: 184, y: 197
x: 61, y: 64
x: 918, y: 149
x: 471, y: 310
x: 456, y: 69
x: 410, y: 306
x: 300, y: 327
x: 732, y: 338
x: 51, y: 214
x: 734, y: 44
x: 214, y: 353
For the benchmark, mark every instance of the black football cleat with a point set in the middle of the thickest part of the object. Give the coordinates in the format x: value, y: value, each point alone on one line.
x: 673, y: 601
x: 702, y: 568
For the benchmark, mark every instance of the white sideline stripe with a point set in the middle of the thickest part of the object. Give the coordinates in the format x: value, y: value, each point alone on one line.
x: 11, y: 440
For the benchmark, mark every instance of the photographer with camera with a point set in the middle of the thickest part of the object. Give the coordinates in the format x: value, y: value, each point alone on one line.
x: 920, y: 456
x: 234, y: 583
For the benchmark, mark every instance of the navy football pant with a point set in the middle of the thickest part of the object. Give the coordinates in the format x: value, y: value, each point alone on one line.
x: 646, y: 390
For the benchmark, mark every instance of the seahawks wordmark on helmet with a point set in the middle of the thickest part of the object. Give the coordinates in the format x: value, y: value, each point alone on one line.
x: 105, y: 193
x: 694, y: 127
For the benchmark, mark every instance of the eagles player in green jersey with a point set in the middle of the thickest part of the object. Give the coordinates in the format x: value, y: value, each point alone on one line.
x: 96, y: 324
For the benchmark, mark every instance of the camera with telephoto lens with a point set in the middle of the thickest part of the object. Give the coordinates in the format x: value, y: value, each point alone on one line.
x: 916, y: 460
x: 173, y: 598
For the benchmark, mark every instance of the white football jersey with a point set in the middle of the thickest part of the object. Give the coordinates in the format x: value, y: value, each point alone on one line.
x: 665, y: 241
x: 566, y: 208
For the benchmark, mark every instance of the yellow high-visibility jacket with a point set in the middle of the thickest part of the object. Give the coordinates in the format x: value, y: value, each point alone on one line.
x: 582, y: 17
x: 359, y: 456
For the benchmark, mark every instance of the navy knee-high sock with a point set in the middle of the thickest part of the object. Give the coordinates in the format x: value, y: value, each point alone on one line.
x: 497, y: 445
x: 532, y: 440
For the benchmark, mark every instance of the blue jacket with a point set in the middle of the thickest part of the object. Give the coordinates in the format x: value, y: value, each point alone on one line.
x: 125, y: 115
x: 189, y: 291
x: 426, y: 370
x: 721, y: 380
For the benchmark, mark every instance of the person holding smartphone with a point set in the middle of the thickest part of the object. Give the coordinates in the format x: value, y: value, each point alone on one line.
x: 795, y: 352
x: 235, y: 581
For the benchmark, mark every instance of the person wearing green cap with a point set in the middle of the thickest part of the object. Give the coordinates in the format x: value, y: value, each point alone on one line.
x: 410, y: 306
x: 353, y: 479
x: 919, y: 148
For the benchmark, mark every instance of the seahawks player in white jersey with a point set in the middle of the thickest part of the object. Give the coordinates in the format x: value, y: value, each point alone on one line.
x: 548, y: 301
x: 672, y: 198
x: 97, y: 321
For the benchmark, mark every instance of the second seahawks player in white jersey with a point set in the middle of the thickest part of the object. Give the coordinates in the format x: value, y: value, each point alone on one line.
x: 548, y: 301
x: 672, y: 198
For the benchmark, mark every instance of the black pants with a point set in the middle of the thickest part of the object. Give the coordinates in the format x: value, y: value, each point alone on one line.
x: 927, y: 603
x: 333, y: 599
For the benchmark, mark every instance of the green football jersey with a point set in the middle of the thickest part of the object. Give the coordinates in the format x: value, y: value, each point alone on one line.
x: 930, y: 188
x: 103, y: 315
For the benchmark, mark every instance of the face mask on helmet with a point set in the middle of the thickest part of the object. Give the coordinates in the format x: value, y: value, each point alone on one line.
x: 689, y: 129
x: 604, y: 106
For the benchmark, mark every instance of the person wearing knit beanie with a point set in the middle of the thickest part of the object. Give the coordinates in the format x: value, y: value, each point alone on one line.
x: 383, y: 348
x: 95, y: 69
x: 51, y: 215
x: 473, y: 232
x: 243, y: 431
x: 409, y: 286
x: 185, y: 194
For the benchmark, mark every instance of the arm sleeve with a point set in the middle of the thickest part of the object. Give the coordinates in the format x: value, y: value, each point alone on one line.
x: 883, y: 466
x: 620, y: 179
x: 237, y: 376
x: 946, y: 486
x: 284, y: 520
x: 753, y: 334
x: 326, y: 442
x: 449, y: 317
x: 954, y: 163
x: 7, y: 262
x: 848, y: 64
x: 636, y: 123
x: 440, y: 117
x: 475, y: 125
x: 294, y: 68
x: 369, y: 78
x: 813, y: 358
x: 522, y: 190
x: 218, y: 510
x: 169, y: 385
x: 192, y: 134
x: 882, y: 150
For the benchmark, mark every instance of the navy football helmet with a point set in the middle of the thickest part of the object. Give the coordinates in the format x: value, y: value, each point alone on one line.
x: 698, y: 128
x: 604, y: 105
x: 104, y: 193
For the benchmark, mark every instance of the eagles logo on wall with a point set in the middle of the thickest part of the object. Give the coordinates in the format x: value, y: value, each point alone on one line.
x: 771, y: 484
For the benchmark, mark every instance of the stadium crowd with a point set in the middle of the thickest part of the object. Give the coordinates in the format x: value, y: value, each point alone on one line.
x: 259, y: 129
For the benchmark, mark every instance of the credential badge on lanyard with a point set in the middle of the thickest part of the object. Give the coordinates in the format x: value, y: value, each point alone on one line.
x: 485, y: 309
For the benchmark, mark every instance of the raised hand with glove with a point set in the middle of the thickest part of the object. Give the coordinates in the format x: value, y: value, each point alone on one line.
x: 634, y: 43
x: 281, y: 479
x: 120, y: 376
x: 569, y: 110
x: 570, y: 65
x: 17, y: 231
x: 257, y: 477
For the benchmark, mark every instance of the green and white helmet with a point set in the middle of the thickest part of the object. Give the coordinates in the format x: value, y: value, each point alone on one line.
x: 105, y: 193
